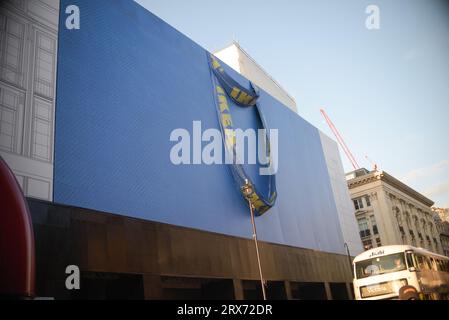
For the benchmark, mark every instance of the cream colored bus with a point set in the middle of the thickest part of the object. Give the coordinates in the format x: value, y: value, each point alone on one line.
x: 381, y: 272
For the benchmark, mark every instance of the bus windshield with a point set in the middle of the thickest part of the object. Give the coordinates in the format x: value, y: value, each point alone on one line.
x: 380, y: 265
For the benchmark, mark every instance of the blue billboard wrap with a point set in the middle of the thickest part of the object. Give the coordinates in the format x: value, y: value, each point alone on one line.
x: 126, y: 80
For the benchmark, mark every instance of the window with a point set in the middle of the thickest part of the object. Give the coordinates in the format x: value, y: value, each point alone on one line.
x: 429, y: 263
x: 422, y: 262
x: 45, y: 65
x: 380, y: 265
x: 378, y: 242
x: 358, y: 204
x: 7, y: 127
x: 368, y: 201
x: 367, y: 244
x: 363, y: 227
x: 11, y: 109
x: 363, y: 224
x: 445, y: 266
x: 410, y: 259
x: 433, y: 264
x: 12, y: 42
x: 439, y: 265
x: 42, y: 130
x: 374, y: 225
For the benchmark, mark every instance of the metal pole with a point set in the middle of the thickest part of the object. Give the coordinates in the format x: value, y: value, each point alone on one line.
x: 349, y: 259
x: 253, y: 222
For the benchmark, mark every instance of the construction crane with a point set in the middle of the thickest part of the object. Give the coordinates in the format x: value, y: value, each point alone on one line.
x: 341, y: 141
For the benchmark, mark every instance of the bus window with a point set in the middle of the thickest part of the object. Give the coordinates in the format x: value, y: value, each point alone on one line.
x: 410, y: 261
x: 430, y: 263
x: 380, y: 265
x: 440, y: 265
x: 422, y: 264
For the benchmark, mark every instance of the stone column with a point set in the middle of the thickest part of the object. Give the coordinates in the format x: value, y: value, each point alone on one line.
x: 152, y: 287
x: 327, y: 287
x: 349, y: 288
x: 238, y: 289
x: 288, y: 290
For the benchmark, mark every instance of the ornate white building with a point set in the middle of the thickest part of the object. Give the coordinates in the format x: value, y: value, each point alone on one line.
x: 389, y: 212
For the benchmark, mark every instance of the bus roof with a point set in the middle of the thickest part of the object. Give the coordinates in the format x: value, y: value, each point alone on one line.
x: 387, y: 250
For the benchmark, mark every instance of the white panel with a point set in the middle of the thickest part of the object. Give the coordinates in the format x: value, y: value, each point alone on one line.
x: 12, y: 60
x: 28, y: 45
x: 38, y: 189
x: 41, y: 139
x: 46, y: 11
x: 15, y: 28
x: 241, y: 61
x: 11, y: 107
x: 342, y: 197
x: 230, y: 56
x: 7, y: 128
x: 2, y: 21
x: 46, y: 43
x: 20, y: 180
x: 28, y: 167
x: 6, y: 142
x: 45, y: 65
x: 18, y: 4
x: 42, y: 109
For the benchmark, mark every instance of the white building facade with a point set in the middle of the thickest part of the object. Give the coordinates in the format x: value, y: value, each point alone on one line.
x: 28, y: 47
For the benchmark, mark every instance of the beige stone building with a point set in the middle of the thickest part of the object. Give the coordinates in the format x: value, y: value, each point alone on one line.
x: 442, y: 223
x: 443, y: 213
x: 389, y: 212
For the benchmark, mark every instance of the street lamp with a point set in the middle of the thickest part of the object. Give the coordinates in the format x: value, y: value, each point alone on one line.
x: 248, y: 191
x: 349, y: 259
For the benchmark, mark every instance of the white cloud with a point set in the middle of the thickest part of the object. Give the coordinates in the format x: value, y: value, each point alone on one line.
x: 426, y: 171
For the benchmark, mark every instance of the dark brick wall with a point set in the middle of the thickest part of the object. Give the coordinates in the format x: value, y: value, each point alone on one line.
x: 107, y: 243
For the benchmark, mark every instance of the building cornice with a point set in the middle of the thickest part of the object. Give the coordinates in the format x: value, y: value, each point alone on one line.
x: 390, y: 180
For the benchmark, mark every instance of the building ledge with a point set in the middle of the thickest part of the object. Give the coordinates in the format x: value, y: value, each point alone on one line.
x: 390, y: 180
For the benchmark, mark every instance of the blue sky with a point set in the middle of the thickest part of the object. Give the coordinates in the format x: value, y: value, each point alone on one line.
x: 386, y: 90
